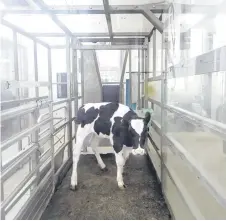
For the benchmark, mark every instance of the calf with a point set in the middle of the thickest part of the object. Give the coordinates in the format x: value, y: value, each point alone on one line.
x: 127, y: 133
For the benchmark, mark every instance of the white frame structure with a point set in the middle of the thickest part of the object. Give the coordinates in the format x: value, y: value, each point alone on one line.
x: 44, y: 187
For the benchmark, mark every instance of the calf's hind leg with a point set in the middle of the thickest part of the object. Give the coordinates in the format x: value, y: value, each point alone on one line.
x: 80, y: 136
x: 94, y: 144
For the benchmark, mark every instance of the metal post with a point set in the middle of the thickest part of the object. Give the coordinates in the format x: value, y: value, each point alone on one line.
x: 17, y: 78
x: 154, y: 58
x: 34, y: 118
x: 82, y: 75
x: 163, y: 100
x: 146, y: 74
x: 68, y: 64
x: 130, y: 78
x: 122, y: 77
x: 142, y: 78
x: 75, y: 74
x: 51, y: 116
x: 138, y: 95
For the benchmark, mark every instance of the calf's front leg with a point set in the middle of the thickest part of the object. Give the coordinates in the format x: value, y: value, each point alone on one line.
x: 120, y: 162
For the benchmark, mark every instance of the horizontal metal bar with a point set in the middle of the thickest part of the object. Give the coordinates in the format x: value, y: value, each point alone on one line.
x: 92, y: 9
x: 108, y: 47
x: 156, y: 78
x: 22, y: 110
x: 21, y: 31
x: 218, y: 192
x: 60, y: 127
x: 43, y: 182
x: 14, y: 197
x: 154, y: 145
x: 60, y: 101
x: 11, y: 84
x: 10, y: 162
x: 155, y: 102
x: 183, y: 192
x: 97, y: 34
x: 114, y: 40
x: 23, y: 100
x: 22, y: 134
x: 214, y: 126
x: 156, y: 126
x: 12, y: 168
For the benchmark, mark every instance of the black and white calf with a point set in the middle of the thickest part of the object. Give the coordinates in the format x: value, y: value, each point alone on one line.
x: 127, y: 133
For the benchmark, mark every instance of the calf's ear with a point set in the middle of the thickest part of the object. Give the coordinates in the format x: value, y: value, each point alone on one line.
x: 147, y: 118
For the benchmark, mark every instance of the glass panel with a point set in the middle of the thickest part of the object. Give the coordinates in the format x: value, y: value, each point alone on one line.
x: 85, y: 23
x: 52, y: 41
x: 6, y: 54
x: 130, y: 23
x: 33, y: 23
x: 73, y: 2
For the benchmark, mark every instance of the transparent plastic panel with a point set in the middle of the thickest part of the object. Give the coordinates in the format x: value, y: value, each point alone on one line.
x: 202, y: 150
x: 6, y: 54
x: 130, y: 23
x: 194, y: 94
x: 109, y: 65
x: 42, y: 56
x: 25, y: 49
x: 158, y: 53
x: 85, y: 23
x: 198, y: 31
x: 73, y: 2
x: 150, y: 45
x: 53, y: 41
x: 34, y: 23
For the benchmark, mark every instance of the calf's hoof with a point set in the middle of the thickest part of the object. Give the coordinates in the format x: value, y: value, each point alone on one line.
x: 122, y: 187
x: 105, y: 169
x: 73, y: 188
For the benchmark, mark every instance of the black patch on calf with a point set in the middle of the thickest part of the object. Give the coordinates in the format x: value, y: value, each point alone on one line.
x: 121, y: 133
x: 103, y: 123
x: 86, y: 117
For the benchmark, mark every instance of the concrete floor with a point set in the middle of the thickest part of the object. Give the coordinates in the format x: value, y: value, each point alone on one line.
x: 98, y: 196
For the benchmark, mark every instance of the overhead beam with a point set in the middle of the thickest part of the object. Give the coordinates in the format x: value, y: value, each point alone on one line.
x: 55, y: 19
x: 108, y: 47
x: 22, y: 32
x: 116, y: 40
x: 94, y: 9
x: 152, y: 30
x: 153, y: 19
x: 108, y: 18
x: 98, y: 34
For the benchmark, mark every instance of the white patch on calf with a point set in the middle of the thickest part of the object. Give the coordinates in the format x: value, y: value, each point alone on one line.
x: 137, y: 125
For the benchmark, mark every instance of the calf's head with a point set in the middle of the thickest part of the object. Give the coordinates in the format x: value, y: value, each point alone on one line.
x: 138, y: 128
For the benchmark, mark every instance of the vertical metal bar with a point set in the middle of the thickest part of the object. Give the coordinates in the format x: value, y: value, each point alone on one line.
x: 154, y: 58
x: 75, y: 73
x: 146, y: 74
x: 163, y: 99
x: 138, y: 95
x: 68, y: 63
x: 142, y: 86
x: 17, y: 78
x: 34, y: 117
x: 130, y: 78
x: 2, y: 196
x: 82, y: 75
x: 51, y: 116
x: 122, y: 77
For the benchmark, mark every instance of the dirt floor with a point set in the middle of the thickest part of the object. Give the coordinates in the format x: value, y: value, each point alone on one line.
x: 98, y: 196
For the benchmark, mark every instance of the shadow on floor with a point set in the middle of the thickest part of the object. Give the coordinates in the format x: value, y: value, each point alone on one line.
x: 98, y: 196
